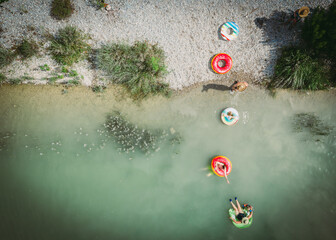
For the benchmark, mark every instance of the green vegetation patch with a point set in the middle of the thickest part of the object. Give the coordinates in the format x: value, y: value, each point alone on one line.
x: 140, y: 68
x: 319, y: 31
x: 61, y: 9
x: 98, y: 88
x: 97, y: 3
x: 2, y: 1
x: 27, y: 49
x: 2, y: 78
x: 44, y: 67
x: 297, y: 69
x: 69, y: 46
x: 6, y: 56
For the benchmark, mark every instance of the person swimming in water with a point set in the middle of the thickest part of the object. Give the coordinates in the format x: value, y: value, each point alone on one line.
x: 221, y: 166
x: 240, y: 214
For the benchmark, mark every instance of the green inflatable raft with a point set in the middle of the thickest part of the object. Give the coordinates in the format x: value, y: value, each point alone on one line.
x: 240, y: 225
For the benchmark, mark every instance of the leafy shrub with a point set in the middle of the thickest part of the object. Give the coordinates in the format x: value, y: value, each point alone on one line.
x: 98, y: 88
x: 296, y: 69
x: 6, y: 57
x: 69, y: 46
x: 139, y: 67
x: 15, y: 81
x: 2, y: 1
x: 97, y: 3
x: 27, y: 49
x: 2, y: 78
x: 61, y: 9
x: 319, y: 31
x: 73, y: 82
x: 44, y: 67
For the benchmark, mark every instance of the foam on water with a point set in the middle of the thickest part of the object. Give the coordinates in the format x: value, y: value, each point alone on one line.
x: 65, y: 173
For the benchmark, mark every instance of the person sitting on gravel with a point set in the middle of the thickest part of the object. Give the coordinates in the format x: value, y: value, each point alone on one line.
x: 240, y: 214
x: 239, y: 86
x: 298, y: 16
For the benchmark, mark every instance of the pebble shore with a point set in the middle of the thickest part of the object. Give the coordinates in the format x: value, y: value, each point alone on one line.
x: 188, y: 31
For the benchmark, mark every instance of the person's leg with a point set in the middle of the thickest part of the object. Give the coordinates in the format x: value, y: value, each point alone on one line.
x: 239, y: 207
x: 234, y: 207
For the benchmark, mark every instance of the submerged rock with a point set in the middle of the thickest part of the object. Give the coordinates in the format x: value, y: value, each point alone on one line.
x: 134, y: 138
x: 311, y: 123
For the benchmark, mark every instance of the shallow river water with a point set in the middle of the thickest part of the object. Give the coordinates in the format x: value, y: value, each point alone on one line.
x: 82, y: 165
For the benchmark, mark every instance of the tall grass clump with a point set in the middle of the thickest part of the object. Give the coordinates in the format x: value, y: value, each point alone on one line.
x: 319, y: 31
x: 139, y: 67
x: 6, y: 56
x: 3, y: 78
x: 69, y: 46
x: 296, y: 69
x: 98, y: 4
x: 61, y: 9
x: 27, y: 49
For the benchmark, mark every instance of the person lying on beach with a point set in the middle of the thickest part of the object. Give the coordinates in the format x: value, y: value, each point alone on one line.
x: 222, y: 167
x: 239, y: 86
x: 230, y: 115
x: 240, y: 214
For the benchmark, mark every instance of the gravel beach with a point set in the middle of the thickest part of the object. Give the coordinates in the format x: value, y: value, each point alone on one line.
x: 188, y: 32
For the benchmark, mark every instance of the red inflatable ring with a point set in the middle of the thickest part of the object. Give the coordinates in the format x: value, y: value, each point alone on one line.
x: 226, y: 162
x: 221, y: 57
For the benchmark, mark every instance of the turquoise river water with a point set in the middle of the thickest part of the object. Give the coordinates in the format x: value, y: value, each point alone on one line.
x: 82, y: 165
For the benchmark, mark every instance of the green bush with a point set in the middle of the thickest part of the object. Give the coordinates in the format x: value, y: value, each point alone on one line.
x: 2, y: 78
x: 296, y: 69
x: 98, y: 88
x: 97, y: 3
x: 2, y: 1
x: 15, y: 81
x: 61, y: 9
x: 44, y: 67
x: 69, y: 46
x: 27, y: 49
x: 319, y: 31
x: 140, y: 67
x: 6, y: 56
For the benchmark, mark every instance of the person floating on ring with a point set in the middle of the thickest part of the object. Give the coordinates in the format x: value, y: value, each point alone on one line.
x: 239, y: 86
x: 221, y: 166
x: 229, y: 115
x: 240, y: 214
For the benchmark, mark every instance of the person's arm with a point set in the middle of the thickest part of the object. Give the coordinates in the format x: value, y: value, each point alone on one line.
x: 235, y: 221
x: 251, y: 214
x: 227, y: 180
